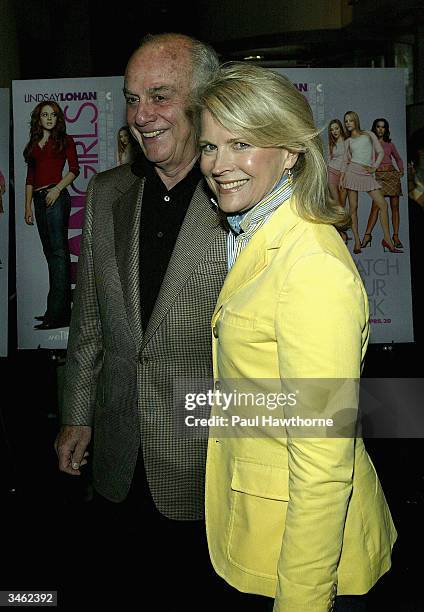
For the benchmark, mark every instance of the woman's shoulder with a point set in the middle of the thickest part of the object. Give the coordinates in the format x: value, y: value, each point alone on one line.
x: 371, y: 135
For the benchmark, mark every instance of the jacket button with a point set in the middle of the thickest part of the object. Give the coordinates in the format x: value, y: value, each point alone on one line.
x: 217, y: 385
x: 215, y: 331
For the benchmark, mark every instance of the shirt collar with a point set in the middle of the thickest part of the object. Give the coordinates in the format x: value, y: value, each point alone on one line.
x: 240, y: 222
x: 143, y: 168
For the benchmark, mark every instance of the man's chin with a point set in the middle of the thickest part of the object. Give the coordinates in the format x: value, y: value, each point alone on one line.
x: 154, y: 154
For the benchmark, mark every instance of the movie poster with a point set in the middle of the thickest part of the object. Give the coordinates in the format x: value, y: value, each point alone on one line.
x: 371, y: 93
x: 92, y: 111
x: 4, y: 218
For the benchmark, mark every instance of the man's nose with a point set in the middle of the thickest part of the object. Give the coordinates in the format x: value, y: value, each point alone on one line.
x: 145, y: 113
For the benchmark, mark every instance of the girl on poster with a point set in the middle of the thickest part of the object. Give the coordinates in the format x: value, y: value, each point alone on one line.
x: 125, y: 153
x: 362, y: 157
x: 336, y: 153
x: 389, y: 178
x: 48, y: 148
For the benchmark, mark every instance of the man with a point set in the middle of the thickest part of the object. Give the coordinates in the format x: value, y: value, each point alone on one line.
x: 146, y: 291
x: 152, y: 264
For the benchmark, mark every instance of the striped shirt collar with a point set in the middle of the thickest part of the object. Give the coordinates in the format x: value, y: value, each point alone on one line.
x: 244, y: 225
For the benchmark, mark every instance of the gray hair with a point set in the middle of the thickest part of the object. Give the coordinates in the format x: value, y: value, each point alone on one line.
x: 205, y: 61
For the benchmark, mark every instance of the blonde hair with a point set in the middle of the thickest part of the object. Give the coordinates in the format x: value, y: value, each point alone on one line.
x: 355, y: 117
x: 267, y: 110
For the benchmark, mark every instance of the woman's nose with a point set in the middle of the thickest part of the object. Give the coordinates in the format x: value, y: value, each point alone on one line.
x: 224, y: 162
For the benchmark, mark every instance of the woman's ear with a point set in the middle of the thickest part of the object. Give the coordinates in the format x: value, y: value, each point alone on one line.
x: 291, y: 159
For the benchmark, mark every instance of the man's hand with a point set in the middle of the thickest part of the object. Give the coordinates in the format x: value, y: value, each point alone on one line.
x: 70, y: 447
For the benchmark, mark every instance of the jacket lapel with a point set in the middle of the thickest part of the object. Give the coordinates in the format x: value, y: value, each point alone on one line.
x: 126, y: 217
x: 200, y: 228
x: 254, y: 258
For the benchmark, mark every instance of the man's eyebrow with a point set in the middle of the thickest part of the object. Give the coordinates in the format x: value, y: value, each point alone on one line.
x: 153, y: 90
x: 162, y: 89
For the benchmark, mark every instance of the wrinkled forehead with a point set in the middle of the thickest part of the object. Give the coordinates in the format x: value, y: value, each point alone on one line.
x: 156, y: 65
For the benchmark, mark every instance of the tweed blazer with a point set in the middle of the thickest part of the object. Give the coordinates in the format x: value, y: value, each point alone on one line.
x: 120, y: 380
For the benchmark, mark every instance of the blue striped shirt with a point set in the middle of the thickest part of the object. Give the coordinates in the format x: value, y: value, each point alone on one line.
x: 244, y: 225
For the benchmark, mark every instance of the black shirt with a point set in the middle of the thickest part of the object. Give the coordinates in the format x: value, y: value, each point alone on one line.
x: 162, y: 214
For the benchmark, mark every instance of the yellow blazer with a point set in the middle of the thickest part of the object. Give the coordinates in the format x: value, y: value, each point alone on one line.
x: 299, y: 519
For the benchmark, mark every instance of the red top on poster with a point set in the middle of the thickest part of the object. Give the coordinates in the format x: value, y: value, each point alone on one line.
x: 47, y: 163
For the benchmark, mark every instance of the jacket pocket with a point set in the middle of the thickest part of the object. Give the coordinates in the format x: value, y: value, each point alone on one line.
x: 238, y: 320
x: 260, y: 495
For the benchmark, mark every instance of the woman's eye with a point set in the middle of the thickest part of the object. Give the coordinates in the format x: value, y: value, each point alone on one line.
x: 207, y: 148
x: 241, y: 145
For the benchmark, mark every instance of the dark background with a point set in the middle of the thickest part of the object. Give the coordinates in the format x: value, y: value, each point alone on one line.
x: 47, y: 517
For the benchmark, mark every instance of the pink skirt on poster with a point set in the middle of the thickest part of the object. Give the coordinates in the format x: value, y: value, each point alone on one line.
x: 358, y: 179
x: 333, y: 176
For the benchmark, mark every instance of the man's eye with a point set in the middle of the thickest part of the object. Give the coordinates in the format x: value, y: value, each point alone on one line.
x: 131, y: 99
x: 159, y: 98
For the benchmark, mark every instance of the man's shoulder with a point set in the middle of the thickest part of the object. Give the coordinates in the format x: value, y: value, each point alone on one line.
x: 120, y: 178
x: 117, y: 174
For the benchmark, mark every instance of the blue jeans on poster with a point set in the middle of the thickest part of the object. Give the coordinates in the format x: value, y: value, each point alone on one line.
x: 52, y: 224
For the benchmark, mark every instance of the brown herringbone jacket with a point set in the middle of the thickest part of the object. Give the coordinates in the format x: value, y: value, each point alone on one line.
x: 121, y: 381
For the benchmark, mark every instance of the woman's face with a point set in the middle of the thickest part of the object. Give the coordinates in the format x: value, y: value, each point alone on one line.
x: 380, y: 129
x: 238, y: 173
x: 349, y: 122
x: 48, y: 117
x: 123, y: 137
x: 335, y: 130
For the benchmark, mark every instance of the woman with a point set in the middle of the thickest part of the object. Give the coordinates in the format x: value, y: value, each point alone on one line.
x: 125, y: 150
x: 363, y: 155
x: 336, y: 153
x: 48, y: 149
x: 389, y: 178
x: 295, y: 518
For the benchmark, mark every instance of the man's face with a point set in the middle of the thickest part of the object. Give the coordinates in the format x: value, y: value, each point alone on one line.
x: 157, y: 85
